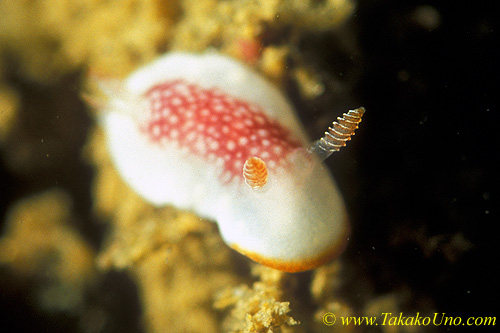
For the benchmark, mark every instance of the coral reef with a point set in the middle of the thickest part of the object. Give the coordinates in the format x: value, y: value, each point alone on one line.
x: 177, y: 260
x: 256, y: 309
x: 50, y: 39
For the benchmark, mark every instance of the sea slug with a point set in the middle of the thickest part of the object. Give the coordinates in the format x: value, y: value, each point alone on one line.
x: 204, y: 132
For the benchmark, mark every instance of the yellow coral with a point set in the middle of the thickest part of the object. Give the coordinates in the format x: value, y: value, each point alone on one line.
x: 256, y: 309
x: 51, y: 38
x: 164, y: 250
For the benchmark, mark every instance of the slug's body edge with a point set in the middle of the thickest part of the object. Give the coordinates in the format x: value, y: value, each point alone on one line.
x: 296, y: 266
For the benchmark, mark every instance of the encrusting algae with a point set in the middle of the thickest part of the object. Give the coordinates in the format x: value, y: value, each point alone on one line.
x: 51, y: 39
x: 187, y: 278
x: 256, y: 309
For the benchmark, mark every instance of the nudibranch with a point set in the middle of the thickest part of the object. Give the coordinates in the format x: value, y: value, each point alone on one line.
x: 205, y: 133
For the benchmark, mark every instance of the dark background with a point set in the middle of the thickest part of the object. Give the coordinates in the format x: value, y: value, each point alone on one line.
x: 428, y: 162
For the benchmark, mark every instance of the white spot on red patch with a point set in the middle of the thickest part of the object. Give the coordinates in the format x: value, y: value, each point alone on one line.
x: 230, y: 145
